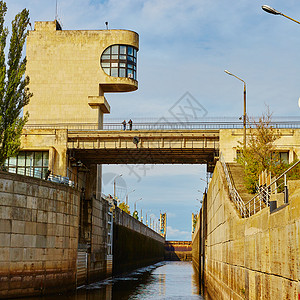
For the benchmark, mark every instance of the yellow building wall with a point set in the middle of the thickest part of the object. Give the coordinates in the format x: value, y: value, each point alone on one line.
x: 231, y: 139
x: 64, y: 70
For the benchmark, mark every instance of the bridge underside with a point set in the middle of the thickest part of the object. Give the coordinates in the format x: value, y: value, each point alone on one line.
x: 146, y: 156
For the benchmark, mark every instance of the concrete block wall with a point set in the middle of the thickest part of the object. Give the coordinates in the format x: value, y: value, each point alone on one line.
x: 38, y: 236
x: 97, y: 257
x: 134, y: 244
x: 251, y: 258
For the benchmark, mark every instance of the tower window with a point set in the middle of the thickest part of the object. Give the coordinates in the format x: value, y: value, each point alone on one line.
x: 119, y: 61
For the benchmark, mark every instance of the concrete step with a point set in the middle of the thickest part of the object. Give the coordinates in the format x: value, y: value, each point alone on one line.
x: 237, y: 175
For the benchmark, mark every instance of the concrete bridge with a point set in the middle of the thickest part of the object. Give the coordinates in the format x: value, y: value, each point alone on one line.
x: 145, y: 146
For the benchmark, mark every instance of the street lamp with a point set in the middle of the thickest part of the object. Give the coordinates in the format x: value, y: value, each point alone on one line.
x: 136, y: 202
x: 127, y: 196
x: 115, y: 184
x: 273, y: 11
x: 244, y: 116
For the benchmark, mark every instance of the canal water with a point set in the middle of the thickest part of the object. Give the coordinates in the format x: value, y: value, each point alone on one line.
x: 163, y: 281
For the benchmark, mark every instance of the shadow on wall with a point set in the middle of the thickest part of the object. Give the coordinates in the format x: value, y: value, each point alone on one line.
x: 178, y: 250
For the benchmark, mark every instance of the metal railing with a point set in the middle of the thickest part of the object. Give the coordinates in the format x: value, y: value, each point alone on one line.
x: 204, y: 125
x: 260, y: 200
x: 36, y: 173
x: 236, y: 198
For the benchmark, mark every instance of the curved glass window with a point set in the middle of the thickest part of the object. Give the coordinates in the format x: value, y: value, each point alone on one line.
x: 119, y: 61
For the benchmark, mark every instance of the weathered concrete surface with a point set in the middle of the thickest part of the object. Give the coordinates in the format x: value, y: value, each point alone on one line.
x: 178, y: 250
x: 38, y: 236
x: 251, y: 258
x: 134, y: 244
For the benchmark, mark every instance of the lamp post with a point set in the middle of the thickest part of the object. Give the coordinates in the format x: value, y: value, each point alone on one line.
x: 244, y: 116
x: 136, y: 202
x: 273, y: 11
x: 127, y: 196
x: 115, y: 184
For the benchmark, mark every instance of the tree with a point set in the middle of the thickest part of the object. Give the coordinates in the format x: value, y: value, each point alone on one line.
x: 124, y: 207
x: 260, y: 154
x: 14, y: 91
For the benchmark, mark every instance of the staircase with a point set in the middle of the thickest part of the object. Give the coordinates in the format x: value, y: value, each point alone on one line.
x: 237, y: 175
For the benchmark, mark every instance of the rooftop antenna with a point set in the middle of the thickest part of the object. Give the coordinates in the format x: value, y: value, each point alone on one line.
x: 106, y: 23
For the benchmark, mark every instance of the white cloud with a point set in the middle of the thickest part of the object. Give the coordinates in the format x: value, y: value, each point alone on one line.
x: 177, y: 234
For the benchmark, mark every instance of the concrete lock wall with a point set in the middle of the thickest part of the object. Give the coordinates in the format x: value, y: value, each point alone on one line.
x: 38, y: 236
x: 248, y: 258
x: 134, y: 244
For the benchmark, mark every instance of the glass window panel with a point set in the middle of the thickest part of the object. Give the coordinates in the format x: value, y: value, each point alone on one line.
x: 122, y: 57
x: 130, y: 66
x: 130, y: 51
x: 107, y: 51
x: 114, y: 72
x: 105, y: 65
x: 12, y: 161
x: 37, y: 172
x: 38, y: 159
x: 6, y: 162
x: 134, y: 75
x: 115, y: 49
x: 29, y: 171
x: 122, y: 65
x: 21, y: 171
x: 134, y: 67
x: 105, y: 57
x: 114, y: 65
x: 107, y: 70
x: 129, y: 58
x: 122, y: 72
x: 45, y: 159
x: 29, y: 158
x: 44, y: 172
x: 115, y: 56
x: 21, y: 159
x: 130, y: 73
x: 12, y: 170
x: 134, y: 52
x: 122, y: 49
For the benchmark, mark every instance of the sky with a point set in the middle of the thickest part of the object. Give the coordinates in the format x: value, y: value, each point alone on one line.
x: 185, y: 46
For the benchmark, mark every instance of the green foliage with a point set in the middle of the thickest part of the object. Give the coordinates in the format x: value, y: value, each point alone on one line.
x: 14, y: 91
x: 260, y: 154
x: 135, y: 215
x: 124, y: 207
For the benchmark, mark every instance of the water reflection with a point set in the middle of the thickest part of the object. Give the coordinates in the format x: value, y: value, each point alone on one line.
x: 165, y: 280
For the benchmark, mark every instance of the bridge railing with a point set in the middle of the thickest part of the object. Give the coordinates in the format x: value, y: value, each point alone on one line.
x: 236, y: 198
x: 204, y: 125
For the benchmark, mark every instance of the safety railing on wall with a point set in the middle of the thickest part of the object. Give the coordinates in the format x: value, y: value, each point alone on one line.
x: 262, y: 199
x: 166, y: 125
x: 236, y: 198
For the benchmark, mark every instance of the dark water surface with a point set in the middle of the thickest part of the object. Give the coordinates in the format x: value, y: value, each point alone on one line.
x: 165, y: 280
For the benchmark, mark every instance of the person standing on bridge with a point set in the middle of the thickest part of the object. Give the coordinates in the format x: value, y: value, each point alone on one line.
x: 130, y: 124
x: 124, y: 125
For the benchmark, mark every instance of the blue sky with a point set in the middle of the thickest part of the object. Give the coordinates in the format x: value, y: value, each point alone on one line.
x: 185, y: 46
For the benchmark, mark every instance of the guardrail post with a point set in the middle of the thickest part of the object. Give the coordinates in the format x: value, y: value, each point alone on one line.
x: 286, y: 192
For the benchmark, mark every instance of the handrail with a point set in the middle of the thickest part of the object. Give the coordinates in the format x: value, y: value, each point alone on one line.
x: 263, y: 197
x: 260, y: 200
x: 276, y: 179
x: 237, y: 199
x: 204, y: 124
